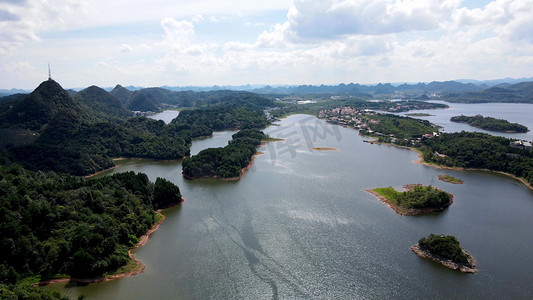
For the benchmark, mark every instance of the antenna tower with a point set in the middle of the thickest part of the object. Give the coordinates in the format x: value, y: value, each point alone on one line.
x: 49, y: 73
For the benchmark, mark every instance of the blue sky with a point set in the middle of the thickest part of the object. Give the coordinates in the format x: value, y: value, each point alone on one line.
x: 234, y: 42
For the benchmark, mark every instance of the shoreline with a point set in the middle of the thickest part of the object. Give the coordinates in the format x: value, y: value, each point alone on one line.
x: 471, y: 268
x: 139, y: 268
x: 243, y: 171
x: 443, y: 167
x: 410, y: 211
x: 490, y: 130
x: 125, y: 158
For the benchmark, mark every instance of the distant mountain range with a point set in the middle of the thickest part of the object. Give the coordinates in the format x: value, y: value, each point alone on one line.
x: 380, y: 88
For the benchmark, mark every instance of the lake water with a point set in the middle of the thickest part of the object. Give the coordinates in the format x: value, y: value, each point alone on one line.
x: 299, y: 225
x: 513, y: 112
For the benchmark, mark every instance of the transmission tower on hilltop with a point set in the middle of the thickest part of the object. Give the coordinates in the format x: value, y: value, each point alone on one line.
x: 49, y: 73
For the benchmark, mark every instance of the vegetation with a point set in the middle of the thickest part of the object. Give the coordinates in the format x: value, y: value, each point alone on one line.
x: 222, y: 117
x: 224, y: 162
x: 103, y: 104
x: 419, y: 197
x: 67, y: 145
x: 479, y: 151
x: 288, y: 106
x: 447, y: 247
x: 450, y: 179
x: 26, y: 291
x: 54, y: 224
x: 50, y: 131
x: 403, y: 129
x: 489, y: 123
x: 515, y: 93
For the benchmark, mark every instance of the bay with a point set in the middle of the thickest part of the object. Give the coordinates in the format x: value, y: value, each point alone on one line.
x: 299, y: 224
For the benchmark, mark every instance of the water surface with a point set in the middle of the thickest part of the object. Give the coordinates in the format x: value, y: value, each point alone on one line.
x: 299, y: 225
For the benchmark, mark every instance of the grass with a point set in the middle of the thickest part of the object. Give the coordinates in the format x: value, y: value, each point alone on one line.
x: 127, y: 268
x: 388, y: 193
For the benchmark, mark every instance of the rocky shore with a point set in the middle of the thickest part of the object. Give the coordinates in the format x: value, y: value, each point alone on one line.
x: 470, y: 267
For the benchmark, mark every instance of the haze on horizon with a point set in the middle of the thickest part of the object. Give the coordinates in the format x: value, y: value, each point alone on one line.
x: 235, y: 42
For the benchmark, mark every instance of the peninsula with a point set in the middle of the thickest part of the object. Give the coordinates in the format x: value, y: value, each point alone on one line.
x: 415, y: 200
x: 226, y: 163
x: 447, y: 251
x: 491, y: 124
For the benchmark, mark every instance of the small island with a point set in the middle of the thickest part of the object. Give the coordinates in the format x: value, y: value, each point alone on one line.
x: 324, y: 148
x: 450, y: 179
x: 491, y: 124
x: 419, y: 115
x: 447, y: 251
x: 417, y: 199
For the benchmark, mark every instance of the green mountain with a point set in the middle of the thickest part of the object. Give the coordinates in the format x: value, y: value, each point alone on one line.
x: 141, y: 102
x: 38, y: 108
x: 104, y: 104
x: 515, y: 93
x: 121, y: 93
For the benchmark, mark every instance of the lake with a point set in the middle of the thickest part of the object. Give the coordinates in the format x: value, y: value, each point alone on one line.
x: 300, y: 225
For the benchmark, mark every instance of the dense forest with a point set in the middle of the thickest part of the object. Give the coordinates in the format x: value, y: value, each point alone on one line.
x: 50, y: 131
x: 226, y: 162
x: 489, y: 123
x: 480, y: 151
x: 447, y: 247
x: 53, y: 224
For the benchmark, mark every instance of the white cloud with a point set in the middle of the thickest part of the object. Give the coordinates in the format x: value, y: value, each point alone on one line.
x: 125, y: 48
x: 331, y: 19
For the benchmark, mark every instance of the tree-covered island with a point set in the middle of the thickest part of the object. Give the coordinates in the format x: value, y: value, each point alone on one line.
x: 447, y: 251
x: 415, y: 200
x: 491, y: 124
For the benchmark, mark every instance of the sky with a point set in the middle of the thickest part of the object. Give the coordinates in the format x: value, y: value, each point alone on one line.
x: 287, y: 42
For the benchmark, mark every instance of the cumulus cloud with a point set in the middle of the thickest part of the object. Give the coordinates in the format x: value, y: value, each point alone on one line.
x: 177, y: 32
x: 330, y: 19
x: 23, y: 21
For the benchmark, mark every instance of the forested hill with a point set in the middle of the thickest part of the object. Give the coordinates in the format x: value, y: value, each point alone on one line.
x: 102, y: 103
x: 516, y: 93
x: 54, y: 224
x: 153, y: 99
x: 49, y: 130
x: 38, y: 108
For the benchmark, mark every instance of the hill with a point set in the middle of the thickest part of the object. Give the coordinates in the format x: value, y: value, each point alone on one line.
x: 103, y: 104
x: 121, y: 93
x: 40, y: 107
x: 516, y: 93
x: 139, y: 101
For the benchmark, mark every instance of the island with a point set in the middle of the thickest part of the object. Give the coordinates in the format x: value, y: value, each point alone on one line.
x: 419, y: 115
x: 446, y: 250
x: 491, y: 124
x: 415, y: 200
x: 324, y: 148
x: 450, y: 179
